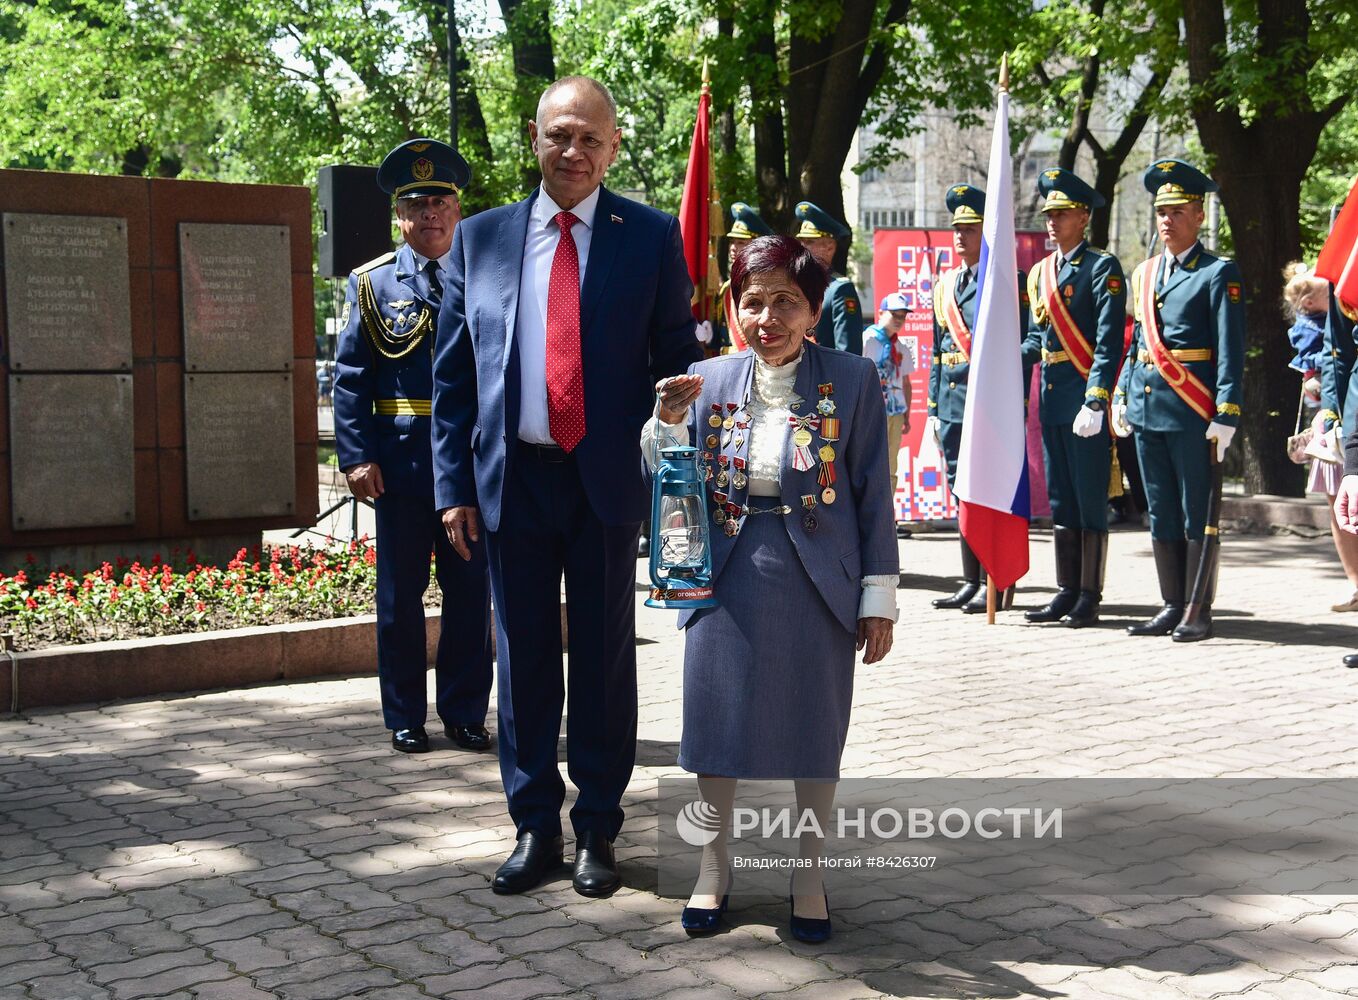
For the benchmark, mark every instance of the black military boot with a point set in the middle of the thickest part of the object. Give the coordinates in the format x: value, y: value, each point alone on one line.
x: 1066, y: 543
x: 1197, y: 621
x: 1093, y: 558
x: 971, y: 580
x: 1171, y: 560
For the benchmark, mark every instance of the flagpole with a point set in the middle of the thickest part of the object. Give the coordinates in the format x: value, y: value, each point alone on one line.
x: 990, y: 596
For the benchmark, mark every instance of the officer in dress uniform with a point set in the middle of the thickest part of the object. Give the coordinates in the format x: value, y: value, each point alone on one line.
x: 841, y: 316
x: 384, y: 380
x: 1180, y: 387
x: 1078, y: 306
x: 955, y: 301
x: 746, y: 225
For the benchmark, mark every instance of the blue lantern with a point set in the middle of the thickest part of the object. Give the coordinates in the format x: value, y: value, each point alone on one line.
x: 681, y: 558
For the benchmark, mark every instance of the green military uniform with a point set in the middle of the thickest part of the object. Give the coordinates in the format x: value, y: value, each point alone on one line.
x: 951, y: 366
x: 746, y: 225
x: 1079, y: 343
x: 841, y: 317
x: 1195, y: 303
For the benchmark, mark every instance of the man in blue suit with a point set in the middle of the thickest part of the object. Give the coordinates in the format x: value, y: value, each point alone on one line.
x: 561, y: 312
x: 384, y: 374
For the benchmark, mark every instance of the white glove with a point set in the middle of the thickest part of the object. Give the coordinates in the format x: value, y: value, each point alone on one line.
x: 704, y: 332
x: 1087, y: 422
x: 935, y: 427
x: 1223, y: 435
x: 1312, y: 387
x: 1119, y: 421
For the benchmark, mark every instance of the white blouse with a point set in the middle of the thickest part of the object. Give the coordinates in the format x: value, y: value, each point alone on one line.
x: 771, y: 400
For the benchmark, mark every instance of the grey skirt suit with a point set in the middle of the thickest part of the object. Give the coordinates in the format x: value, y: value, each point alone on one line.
x: 768, y: 673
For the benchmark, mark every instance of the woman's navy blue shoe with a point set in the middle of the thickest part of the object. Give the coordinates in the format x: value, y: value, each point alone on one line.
x: 696, y: 920
x: 812, y: 930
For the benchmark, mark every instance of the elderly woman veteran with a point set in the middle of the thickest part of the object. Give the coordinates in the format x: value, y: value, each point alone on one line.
x: 792, y: 438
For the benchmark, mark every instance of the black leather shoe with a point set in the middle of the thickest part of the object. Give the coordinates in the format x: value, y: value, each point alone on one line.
x: 1053, y: 611
x: 1351, y: 661
x: 964, y: 593
x: 1166, y: 620
x: 532, y: 860
x: 1196, y: 630
x: 596, y: 872
x: 1085, y: 612
x: 410, y: 740
x: 469, y: 737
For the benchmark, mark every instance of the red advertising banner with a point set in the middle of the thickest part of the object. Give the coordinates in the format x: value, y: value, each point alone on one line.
x: 908, y: 261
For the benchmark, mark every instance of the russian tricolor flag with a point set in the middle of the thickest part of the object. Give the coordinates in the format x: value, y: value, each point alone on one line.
x: 992, y: 465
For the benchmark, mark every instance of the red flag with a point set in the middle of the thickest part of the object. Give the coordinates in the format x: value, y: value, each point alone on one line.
x: 695, y: 208
x: 1338, y: 261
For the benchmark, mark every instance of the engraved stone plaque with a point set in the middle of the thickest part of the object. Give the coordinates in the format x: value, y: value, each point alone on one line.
x: 66, y: 291
x: 239, y: 445
x: 237, y: 286
x: 70, y: 440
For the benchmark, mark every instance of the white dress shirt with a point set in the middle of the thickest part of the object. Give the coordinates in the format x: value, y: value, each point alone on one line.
x: 1173, y: 259
x: 539, y: 248
x: 423, y: 276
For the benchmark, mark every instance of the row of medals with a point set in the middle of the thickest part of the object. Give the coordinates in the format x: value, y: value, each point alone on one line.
x: 727, y: 514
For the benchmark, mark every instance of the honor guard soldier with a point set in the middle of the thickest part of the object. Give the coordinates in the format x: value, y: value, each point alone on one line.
x: 841, y: 316
x: 1180, y: 389
x: 1078, y: 307
x: 384, y: 380
x: 955, y: 300
x: 746, y: 225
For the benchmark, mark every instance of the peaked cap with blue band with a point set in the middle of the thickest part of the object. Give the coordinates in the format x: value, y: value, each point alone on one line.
x: 746, y: 223
x: 816, y: 222
x: 966, y: 202
x: 1065, y: 190
x: 1174, y: 182
x: 422, y: 167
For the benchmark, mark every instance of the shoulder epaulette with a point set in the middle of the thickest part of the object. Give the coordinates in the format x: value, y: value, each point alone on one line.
x: 386, y: 258
x: 1099, y: 252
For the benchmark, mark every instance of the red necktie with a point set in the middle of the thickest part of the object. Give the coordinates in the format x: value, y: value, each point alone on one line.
x: 565, y: 374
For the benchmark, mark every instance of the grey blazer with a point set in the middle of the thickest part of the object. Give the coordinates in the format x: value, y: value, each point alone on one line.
x: 856, y: 535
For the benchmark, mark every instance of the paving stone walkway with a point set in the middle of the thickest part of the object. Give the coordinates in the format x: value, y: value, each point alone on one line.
x: 267, y: 843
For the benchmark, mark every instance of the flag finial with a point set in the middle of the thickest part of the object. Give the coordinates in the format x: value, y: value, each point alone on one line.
x: 707, y: 77
x: 1004, y: 72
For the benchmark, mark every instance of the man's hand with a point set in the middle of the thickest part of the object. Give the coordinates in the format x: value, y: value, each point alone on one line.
x: 875, y: 634
x: 1222, y: 435
x: 365, y: 481
x: 676, y: 396
x: 703, y: 331
x: 1346, y: 505
x: 1087, y: 422
x: 1119, y: 421
x: 935, y: 427
x: 463, y: 527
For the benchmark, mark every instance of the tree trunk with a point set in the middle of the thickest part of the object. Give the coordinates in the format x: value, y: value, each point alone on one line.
x: 530, y: 38
x: 770, y: 139
x: 1260, y: 167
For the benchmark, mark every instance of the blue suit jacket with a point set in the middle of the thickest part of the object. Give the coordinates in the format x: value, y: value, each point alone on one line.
x: 398, y: 443
x: 636, y: 327
x: 856, y: 535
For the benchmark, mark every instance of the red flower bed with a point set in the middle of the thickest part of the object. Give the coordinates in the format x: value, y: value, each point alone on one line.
x: 263, y: 586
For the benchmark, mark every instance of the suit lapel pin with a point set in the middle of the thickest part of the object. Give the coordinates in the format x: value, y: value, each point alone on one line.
x: 615, y: 218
